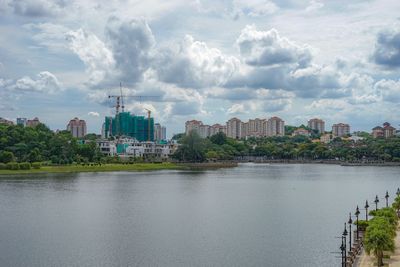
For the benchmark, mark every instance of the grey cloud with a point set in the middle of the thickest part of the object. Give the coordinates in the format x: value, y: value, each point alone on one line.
x: 131, y: 43
x: 266, y: 48
x: 185, y: 108
x: 387, y: 48
x: 36, y: 8
x: 389, y: 90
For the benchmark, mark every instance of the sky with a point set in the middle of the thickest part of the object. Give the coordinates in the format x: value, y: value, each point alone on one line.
x: 208, y: 60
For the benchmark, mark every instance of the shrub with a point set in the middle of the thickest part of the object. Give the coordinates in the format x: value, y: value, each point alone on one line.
x: 362, y: 225
x: 12, y: 166
x: 25, y: 166
x: 3, y: 166
x: 36, y: 165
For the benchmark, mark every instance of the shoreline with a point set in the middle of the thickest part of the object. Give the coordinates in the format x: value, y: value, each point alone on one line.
x: 97, y: 168
x: 333, y: 162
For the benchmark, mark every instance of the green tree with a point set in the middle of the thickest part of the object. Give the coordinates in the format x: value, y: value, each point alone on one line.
x: 192, y: 148
x: 6, y: 156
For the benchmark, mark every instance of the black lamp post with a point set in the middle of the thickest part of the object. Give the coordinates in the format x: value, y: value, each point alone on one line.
x: 366, y: 210
x: 376, y: 201
x: 387, y: 198
x: 342, y: 249
x: 357, y: 213
x: 345, y: 253
x: 398, y: 192
x: 350, y: 222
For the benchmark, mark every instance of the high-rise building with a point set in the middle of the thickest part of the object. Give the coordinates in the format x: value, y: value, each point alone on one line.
x: 22, y: 121
x: 33, y: 123
x: 340, y: 129
x: 245, y: 129
x: 192, y: 125
x: 317, y: 124
x: 234, y: 128
x: 77, y: 127
x: 256, y: 127
x: 274, y: 127
x: 5, y: 121
x: 204, y: 131
x: 125, y: 124
x: 160, y: 132
x: 217, y: 128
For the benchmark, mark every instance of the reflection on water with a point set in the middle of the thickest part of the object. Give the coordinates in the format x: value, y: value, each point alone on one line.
x: 253, y: 215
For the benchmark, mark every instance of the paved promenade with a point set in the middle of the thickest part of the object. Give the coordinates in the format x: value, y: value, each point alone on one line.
x: 369, y: 260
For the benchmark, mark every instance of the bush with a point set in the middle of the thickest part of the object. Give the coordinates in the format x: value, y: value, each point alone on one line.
x: 25, y: 166
x: 12, y: 166
x: 362, y: 225
x: 3, y: 166
x: 36, y: 165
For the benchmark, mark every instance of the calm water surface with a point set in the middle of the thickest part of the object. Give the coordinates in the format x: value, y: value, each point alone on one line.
x: 253, y: 215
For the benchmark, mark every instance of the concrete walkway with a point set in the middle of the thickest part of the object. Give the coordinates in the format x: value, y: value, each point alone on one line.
x: 369, y: 260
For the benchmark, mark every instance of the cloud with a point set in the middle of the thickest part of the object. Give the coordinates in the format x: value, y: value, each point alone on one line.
x: 45, y: 82
x: 98, y: 59
x: 195, y: 65
x: 254, y: 8
x: 36, y: 8
x: 234, y: 9
x: 94, y: 114
x: 387, y: 48
x: 389, y: 90
x: 49, y: 35
x: 267, y: 48
x: 237, y: 109
x: 131, y: 43
x: 314, y: 5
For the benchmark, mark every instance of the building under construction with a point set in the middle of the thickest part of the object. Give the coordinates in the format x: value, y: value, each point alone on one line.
x: 126, y: 124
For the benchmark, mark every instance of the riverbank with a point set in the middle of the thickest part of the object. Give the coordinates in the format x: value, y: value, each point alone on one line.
x: 334, y: 162
x: 98, y: 168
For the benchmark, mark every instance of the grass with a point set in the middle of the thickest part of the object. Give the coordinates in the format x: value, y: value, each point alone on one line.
x: 102, y: 168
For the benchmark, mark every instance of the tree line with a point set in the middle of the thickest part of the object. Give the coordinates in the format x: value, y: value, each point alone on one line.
x: 220, y: 147
x: 40, y: 144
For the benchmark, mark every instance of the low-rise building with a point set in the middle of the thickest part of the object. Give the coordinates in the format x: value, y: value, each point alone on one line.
x: 33, y: 123
x: 128, y: 147
x: 5, y: 121
x: 301, y: 131
x: 326, y: 138
x: 386, y: 131
x: 22, y: 121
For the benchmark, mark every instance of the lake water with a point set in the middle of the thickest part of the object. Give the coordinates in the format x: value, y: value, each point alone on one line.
x: 252, y: 215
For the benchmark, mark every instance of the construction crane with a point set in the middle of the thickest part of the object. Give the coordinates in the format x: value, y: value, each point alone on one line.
x: 148, y: 124
x: 119, y: 103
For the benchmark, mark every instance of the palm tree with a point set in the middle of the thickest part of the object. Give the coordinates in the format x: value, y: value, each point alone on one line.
x: 379, y: 237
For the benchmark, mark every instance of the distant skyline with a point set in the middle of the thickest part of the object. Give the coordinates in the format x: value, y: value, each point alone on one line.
x: 207, y: 60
